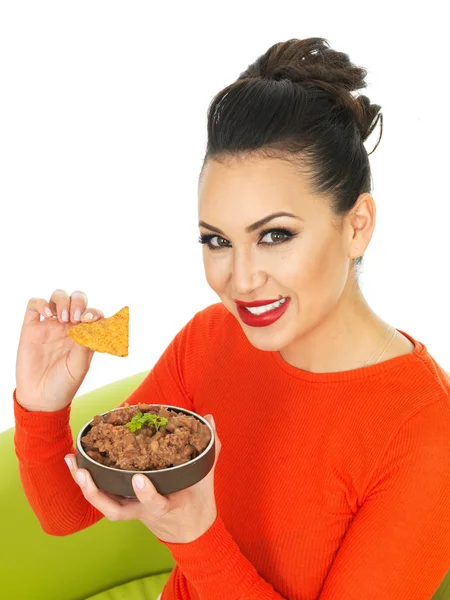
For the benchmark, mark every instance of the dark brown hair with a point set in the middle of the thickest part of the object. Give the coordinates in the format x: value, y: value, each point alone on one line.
x: 292, y: 103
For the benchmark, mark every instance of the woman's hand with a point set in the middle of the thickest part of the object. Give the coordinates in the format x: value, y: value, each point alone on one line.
x: 180, y: 518
x: 50, y: 366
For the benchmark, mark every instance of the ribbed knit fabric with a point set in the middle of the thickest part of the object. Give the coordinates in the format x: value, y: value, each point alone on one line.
x: 331, y: 486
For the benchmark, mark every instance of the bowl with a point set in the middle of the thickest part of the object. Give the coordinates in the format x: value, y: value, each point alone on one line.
x: 166, y: 481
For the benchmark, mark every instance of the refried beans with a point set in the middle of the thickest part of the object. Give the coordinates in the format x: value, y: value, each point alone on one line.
x: 151, y: 447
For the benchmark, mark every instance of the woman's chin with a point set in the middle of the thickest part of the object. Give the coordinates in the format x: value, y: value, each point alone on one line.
x: 263, y: 340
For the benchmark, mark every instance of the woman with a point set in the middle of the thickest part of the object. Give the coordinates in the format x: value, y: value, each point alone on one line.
x: 334, y: 470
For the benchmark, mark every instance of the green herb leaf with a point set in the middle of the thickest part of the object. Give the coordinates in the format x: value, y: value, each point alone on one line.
x: 146, y: 419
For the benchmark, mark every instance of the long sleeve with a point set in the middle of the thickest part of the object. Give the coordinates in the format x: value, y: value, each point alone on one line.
x: 43, y: 439
x: 398, y: 545
x: 217, y: 569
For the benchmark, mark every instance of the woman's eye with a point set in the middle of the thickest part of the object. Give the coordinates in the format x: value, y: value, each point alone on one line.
x: 208, y: 241
x: 221, y: 242
x: 275, y: 237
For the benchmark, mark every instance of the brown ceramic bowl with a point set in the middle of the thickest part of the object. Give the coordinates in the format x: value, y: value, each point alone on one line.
x: 166, y: 481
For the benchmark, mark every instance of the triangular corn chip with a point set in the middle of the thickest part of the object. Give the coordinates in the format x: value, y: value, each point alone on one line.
x: 106, y: 335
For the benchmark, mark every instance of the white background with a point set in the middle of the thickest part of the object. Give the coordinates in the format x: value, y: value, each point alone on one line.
x: 102, y: 134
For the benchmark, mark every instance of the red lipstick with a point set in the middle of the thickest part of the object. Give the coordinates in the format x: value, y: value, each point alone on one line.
x: 257, y: 302
x: 266, y: 318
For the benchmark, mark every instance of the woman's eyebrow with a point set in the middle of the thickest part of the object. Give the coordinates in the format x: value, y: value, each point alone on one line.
x: 253, y: 226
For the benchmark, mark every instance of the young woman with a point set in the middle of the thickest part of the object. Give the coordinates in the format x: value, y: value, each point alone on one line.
x: 333, y: 476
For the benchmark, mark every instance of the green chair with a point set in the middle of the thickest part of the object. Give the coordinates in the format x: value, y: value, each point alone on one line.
x: 125, y: 560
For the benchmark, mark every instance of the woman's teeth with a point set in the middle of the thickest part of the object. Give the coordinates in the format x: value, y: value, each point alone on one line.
x: 259, y: 310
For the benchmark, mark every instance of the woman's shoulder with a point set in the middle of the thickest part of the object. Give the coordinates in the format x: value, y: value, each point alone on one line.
x: 201, y: 329
x: 213, y: 312
x: 210, y: 319
x: 416, y: 377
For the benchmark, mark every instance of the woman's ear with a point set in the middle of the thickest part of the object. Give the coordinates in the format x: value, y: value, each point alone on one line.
x: 361, y: 223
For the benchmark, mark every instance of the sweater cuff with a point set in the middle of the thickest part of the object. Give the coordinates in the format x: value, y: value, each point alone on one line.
x: 214, y: 561
x: 40, y: 437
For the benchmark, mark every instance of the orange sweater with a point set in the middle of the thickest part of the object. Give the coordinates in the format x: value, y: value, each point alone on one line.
x: 331, y: 486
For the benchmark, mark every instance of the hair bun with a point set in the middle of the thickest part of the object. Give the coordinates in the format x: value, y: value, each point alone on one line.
x: 312, y: 63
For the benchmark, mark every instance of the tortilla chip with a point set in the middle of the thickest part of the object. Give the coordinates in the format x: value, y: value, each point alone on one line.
x: 106, y: 335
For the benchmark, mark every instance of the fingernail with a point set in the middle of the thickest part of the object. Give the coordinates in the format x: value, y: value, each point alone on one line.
x: 65, y: 315
x: 139, y: 482
x: 48, y: 312
x: 213, y: 422
x: 69, y: 463
x: 88, y: 316
x: 77, y: 315
x: 80, y: 478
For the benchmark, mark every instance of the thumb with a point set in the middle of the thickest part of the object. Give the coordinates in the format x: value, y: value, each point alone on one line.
x: 79, y: 360
x: 211, y: 421
x: 146, y: 494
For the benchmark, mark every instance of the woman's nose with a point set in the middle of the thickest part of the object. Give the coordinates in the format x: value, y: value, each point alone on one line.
x: 246, y: 274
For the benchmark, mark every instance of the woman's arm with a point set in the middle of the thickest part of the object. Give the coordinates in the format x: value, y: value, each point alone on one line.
x: 42, y: 439
x: 216, y: 567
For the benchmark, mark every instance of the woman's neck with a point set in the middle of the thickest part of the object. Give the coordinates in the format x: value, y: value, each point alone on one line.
x: 344, y: 341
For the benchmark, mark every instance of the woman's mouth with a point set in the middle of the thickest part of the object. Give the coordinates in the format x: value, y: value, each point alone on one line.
x: 262, y: 315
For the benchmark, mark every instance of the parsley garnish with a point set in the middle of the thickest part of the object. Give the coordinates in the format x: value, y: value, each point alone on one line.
x: 141, y: 419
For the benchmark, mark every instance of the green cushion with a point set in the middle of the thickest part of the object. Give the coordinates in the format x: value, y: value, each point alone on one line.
x: 443, y: 593
x: 147, y: 588
x: 37, y: 566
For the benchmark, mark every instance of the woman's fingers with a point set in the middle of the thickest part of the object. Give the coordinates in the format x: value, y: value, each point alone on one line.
x: 79, y: 311
x: 71, y: 462
x: 78, y: 303
x: 91, y: 314
x: 67, y: 309
x: 108, y: 504
x: 36, y: 308
x: 74, y: 308
x: 60, y: 304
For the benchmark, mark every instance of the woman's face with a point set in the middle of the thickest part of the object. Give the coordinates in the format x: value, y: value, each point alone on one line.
x: 307, y: 263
